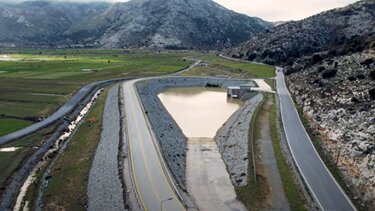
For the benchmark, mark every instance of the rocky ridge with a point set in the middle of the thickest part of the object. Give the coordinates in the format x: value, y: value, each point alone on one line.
x: 337, y: 95
x: 42, y: 23
x: 174, y: 24
x: 336, y: 32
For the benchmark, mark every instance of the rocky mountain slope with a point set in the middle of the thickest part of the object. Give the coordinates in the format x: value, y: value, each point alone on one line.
x: 42, y: 23
x: 137, y: 23
x: 180, y: 23
x: 338, y: 97
x: 330, y: 62
x: 338, y: 32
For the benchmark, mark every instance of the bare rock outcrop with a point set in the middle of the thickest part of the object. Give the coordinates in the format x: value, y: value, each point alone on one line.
x: 342, y: 110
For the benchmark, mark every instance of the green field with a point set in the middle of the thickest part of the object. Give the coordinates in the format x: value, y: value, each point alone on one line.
x: 219, y: 66
x: 35, y: 83
x: 8, y: 125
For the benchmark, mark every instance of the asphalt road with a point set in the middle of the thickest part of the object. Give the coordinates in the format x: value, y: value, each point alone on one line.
x: 151, y: 182
x: 325, y: 190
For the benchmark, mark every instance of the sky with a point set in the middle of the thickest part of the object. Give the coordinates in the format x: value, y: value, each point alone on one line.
x: 270, y: 10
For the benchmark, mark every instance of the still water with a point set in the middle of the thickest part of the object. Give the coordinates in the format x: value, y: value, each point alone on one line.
x: 199, y: 112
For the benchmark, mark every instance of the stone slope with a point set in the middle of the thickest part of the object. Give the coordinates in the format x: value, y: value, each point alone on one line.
x: 337, y: 95
x: 338, y: 31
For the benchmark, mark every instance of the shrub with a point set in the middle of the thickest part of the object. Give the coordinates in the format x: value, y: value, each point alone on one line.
x: 361, y: 77
x: 330, y: 73
x: 372, y: 94
x: 252, y: 56
x: 321, y: 69
x: 316, y: 58
x: 372, y: 75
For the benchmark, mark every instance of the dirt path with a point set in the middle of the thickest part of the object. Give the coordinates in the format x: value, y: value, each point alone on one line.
x: 278, y: 199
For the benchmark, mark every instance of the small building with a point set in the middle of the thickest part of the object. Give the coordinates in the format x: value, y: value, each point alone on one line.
x: 238, y: 91
x: 245, y: 88
x: 233, y: 91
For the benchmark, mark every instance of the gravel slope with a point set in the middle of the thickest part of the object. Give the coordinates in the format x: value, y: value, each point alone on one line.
x: 105, y: 191
x: 232, y: 141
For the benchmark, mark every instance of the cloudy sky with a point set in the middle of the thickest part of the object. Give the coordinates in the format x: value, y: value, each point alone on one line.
x: 276, y: 10
x: 271, y: 10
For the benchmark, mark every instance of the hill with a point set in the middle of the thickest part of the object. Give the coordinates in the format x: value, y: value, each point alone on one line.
x: 335, y: 32
x: 137, y: 23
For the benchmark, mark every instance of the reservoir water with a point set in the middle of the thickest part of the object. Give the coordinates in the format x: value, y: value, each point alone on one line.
x: 200, y: 112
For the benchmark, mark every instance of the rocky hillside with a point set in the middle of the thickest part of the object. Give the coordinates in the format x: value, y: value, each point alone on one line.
x: 338, y: 97
x: 330, y: 62
x: 173, y: 23
x: 42, y: 23
x: 335, y: 32
x: 137, y: 23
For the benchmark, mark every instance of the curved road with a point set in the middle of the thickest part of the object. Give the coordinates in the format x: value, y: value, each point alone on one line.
x: 151, y: 182
x: 324, y: 188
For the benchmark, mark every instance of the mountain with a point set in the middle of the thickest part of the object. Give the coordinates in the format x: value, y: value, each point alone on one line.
x: 338, y: 32
x: 137, y: 23
x: 42, y: 23
x: 180, y: 23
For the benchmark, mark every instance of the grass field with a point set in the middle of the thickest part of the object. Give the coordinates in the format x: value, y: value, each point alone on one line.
x: 8, y: 125
x: 80, y: 64
x: 35, y: 83
x: 219, y: 66
x: 68, y: 186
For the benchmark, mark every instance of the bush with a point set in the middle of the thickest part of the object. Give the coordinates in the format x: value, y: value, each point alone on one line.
x: 330, y: 73
x: 361, y: 77
x: 372, y: 94
x: 368, y: 62
x: 252, y: 56
x: 321, y: 69
x: 372, y: 75
x: 316, y: 58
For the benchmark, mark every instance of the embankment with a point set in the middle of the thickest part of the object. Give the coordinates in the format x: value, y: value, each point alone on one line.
x: 172, y: 141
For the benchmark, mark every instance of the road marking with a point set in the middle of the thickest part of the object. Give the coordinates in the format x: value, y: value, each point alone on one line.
x: 131, y: 159
x: 131, y: 93
x: 143, y: 153
x: 161, y: 159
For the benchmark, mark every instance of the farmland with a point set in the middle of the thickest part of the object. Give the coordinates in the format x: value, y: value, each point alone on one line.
x: 34, y: 83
